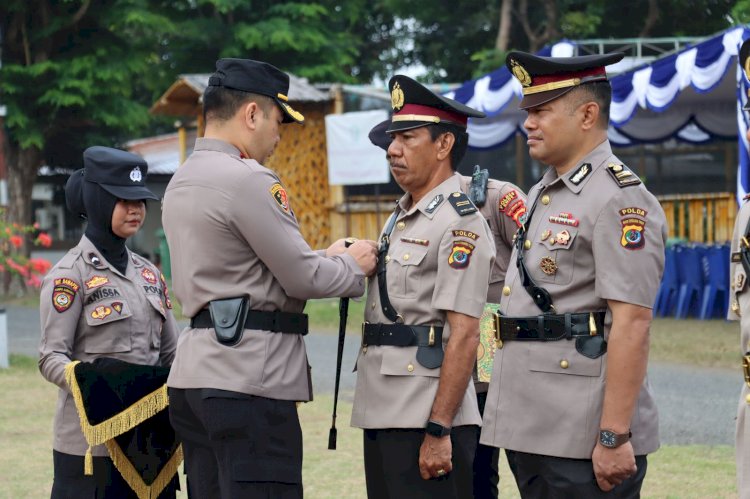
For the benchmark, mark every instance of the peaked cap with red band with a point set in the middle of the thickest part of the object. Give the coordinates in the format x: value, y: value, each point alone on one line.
x: 547, y: 78
x: 414, y: 106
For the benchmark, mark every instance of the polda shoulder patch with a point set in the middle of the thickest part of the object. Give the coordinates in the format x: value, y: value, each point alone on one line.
x: 622, y: 175
x: 461, y: 203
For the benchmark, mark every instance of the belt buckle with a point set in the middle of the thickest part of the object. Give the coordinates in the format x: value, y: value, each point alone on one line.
x: 498, y: 333
x: 746, y: 368
x: 592, y: 324
x: 364, y: 344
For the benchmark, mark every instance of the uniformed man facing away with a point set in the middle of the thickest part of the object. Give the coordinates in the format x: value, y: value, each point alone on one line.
x: 503, y: 207
x: 414, y: 397
x: 242, y: 272
x: 739, y: 309
x: 569, y: 399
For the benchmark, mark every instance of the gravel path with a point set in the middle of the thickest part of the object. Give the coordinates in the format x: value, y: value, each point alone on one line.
x: 696, y: 405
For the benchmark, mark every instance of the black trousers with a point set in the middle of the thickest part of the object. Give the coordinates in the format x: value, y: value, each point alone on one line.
x: 486, y: 459
x: 392, y: 465
x: 562, y: 478
x: 237, y: 445
x: 69, y: 482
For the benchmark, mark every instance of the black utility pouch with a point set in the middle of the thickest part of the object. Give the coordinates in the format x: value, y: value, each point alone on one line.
x: 592, y: 346
x: 228, y: 316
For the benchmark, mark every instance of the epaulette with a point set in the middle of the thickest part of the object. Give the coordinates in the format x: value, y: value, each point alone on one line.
x: 67, y: 261
x: 622, y: 175
x: 461, y: 203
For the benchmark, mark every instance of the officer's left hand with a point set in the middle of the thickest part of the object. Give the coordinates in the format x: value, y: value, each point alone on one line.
x: 336, y: 248
x: 435, y: 457
x: 613, y: 466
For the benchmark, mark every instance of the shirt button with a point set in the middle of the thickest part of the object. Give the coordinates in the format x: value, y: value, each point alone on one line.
x: 545, y: 199
x: 552, y: 240
x: 506, y: 290
x: 410, y: 368
x: 527, y: 244
x: 406, y: 256
x: 499, y: 344
x: 373, y: 306
x: 564, y: 364
x: 401, y: 225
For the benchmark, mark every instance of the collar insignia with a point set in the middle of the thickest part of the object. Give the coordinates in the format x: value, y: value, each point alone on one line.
x: 583, y: 171
x: 434, y: 203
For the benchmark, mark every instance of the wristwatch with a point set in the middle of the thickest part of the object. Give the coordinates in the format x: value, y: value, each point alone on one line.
x: 436, y: 429
x: 612, y: 440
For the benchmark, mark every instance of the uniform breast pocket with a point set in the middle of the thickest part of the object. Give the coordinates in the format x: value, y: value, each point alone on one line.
x: 108, y: 329
x: 556, y: 264
x: 561, y: 357
x: 402, y: 361
x: 404, y: 271
x: 157, y: 322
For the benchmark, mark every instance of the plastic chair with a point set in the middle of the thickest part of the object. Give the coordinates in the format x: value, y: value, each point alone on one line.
x: 666, y: 296
x: 690, y: 276
x: 716, y: 266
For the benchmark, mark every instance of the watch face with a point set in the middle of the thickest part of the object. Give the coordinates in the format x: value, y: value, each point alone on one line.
x: 607, y: 438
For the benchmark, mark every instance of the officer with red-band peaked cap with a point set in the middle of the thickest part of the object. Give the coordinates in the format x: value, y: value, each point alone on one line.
x: 569, y: 399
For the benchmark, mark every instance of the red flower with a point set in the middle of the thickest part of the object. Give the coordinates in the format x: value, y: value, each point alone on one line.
x: 40, y: 265
x: 16, y: 241
x: 44, y: 239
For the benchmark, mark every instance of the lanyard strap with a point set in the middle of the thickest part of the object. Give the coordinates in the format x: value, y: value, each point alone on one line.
x: 385, y: 242
x: 541, y: 296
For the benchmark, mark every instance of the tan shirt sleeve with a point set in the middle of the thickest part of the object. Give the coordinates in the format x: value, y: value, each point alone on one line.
x: 464, y: 265
x: 628, y: 245
x: 274, y: 235
x: 58, y: 327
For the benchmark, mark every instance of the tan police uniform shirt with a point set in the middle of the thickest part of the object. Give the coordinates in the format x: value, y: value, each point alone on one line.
x: 591, y: 241
x: 438, y: 261
x: 739, y: 309
x: 231, y: 232
x: 505, y: 205
x: 88, y: 309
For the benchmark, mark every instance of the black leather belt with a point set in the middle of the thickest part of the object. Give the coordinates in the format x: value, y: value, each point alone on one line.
x: 276, y: 322
x: 550, y: 327
x: 428, y: 339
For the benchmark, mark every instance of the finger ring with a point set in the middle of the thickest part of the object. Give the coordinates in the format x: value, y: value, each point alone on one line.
x: 440, y: 472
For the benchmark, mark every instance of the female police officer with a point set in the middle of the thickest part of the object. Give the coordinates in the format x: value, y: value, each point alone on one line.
x: 101, y: 300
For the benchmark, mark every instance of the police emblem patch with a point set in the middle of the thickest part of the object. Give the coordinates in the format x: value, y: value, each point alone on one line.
x: 101, y: 312
x: 505, y: 201
x: 517, y: 212
x: 148, y: 276
x: 96, y: 281
x: 460, y: 254
x: 279, y: 195
x: 397, y: 97
x: 64, y: 293
x: 633, y: 237
x: 136, y: 175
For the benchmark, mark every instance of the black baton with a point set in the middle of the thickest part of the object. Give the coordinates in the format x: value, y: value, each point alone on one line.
x: 343, y: 314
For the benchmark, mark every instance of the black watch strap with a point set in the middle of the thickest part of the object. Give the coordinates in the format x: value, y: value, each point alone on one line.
x: 612, y: 440
x: 436, y: 429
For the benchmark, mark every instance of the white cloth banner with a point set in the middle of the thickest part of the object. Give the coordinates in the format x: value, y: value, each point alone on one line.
x: 352, y: 158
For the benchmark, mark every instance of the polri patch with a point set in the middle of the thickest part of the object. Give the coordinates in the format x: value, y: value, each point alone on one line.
x: 517, y: 213
x: 460, y: 254
x: 148, y: 275
x: 633, y: 237
x: 580, y: 174
x: 64, y: 293
x: 461, y: 203
x: 101, y: 312
x: 506, y: 200
x: 96, y: 281
x: 465, y: 233
x: 279, y: 195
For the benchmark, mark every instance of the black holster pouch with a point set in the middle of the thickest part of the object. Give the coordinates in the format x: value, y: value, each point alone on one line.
x: 592, y: 346
x: 228, y: 316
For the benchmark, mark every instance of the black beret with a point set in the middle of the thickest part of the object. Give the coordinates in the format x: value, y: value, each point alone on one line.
x: 415, y: 105
x: 121, y: 173
x: 256, y: 77
x: 547, y: 78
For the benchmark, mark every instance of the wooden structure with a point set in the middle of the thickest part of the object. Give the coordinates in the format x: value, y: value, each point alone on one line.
x: 701, y: 218
x: 300, y: 159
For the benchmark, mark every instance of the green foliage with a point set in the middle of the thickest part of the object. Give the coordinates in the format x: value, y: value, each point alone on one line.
x: 741, y: 12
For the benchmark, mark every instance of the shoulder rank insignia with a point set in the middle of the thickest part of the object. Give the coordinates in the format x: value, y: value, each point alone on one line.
x: 622, y: 175
x: 461, y: 203
x: 580, y: 174
x: 434, y: 203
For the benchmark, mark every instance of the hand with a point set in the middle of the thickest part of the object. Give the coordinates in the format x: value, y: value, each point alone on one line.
x: 337, y: 248
x: 435, y: 454
x: 613, y: 466
x: 366, y: 254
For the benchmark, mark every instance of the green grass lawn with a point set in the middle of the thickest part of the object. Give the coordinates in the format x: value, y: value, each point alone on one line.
x: 28, y: 404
